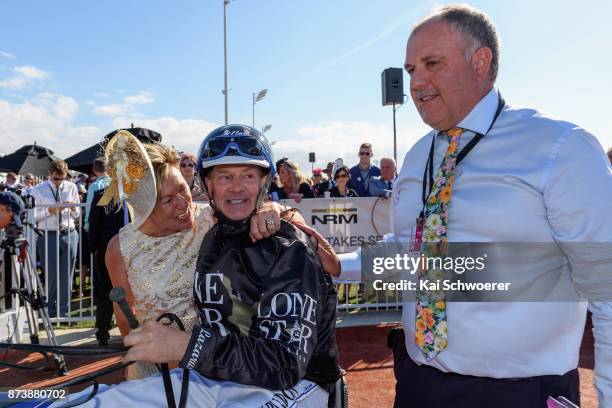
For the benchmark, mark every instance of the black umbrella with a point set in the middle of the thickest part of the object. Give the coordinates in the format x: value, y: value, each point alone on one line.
x: 33, y: 159
x: 83, y: 160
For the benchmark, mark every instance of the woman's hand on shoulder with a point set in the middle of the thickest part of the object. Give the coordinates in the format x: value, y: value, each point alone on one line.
x: 327, y: 255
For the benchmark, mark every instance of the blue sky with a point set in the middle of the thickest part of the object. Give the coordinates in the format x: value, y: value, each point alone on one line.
x: 71, y: 71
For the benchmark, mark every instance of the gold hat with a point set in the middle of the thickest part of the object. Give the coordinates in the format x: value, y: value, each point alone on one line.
x: 132, y: 176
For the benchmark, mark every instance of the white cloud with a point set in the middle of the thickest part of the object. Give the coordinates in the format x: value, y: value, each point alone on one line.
x: 31, y: 72
x: 7, y: 55
x: 24, y: 76
x: 127, y: 106
x: 183, y: 134
x: 139, y: 99
x: 109, y: 110
x: 342, y: 140
x: 48, y: 120
x: 100, y: 95
x: 16, y: 82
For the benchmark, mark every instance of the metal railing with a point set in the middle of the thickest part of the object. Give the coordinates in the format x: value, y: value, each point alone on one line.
x: 357, y: 296
x: 80, y: 292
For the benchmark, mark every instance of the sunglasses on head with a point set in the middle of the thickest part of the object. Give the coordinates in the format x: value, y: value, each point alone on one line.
x: 246, y: 146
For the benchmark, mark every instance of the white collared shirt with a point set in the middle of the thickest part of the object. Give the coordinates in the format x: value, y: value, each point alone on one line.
x: 45, y: 193
x: 530, y: 179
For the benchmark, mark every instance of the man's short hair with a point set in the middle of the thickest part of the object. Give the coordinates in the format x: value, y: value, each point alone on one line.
x: 59, y: 167
x: 475, y: 26
x: 11, y: 176
x: 99, y: 165
x: 366, y: 146
x: 390, y: 159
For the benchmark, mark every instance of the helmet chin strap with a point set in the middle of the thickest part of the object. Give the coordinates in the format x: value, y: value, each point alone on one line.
x: 263, y: 192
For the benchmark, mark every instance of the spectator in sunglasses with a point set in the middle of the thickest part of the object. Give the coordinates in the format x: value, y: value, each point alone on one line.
x: 58, y: 248
x: 342, y: 177
x: 188, y: 163
x: 292, y: 183
x: 362, y: 172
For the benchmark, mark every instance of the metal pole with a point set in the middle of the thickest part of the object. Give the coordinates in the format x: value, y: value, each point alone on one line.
x: 394, y: 136
x: 225, y: 3
x: 253, y: 110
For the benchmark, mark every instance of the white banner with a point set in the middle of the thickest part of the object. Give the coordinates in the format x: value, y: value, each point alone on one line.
x: 346, y: 222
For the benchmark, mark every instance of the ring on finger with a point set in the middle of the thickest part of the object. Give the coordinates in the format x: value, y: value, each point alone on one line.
x: 270, y: 222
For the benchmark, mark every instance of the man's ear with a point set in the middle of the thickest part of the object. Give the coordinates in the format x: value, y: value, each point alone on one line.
x: 481, y: 62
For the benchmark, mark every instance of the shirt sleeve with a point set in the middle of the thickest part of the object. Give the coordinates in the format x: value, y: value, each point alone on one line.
x: 95, y: 217
x: 577, y: 195
x: 350, y: 263
x: 75, y: 212
x: 40, y: 213
x: 275, y: 355
x: 88, y: 200
x: 350, y: 266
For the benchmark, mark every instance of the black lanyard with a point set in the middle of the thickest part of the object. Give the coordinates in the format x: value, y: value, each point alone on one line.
x: 428, y: 175
x: 57, y: 194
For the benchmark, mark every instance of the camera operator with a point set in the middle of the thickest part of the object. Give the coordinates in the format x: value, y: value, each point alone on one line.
x: 61, y: 236
x: 11, y: 207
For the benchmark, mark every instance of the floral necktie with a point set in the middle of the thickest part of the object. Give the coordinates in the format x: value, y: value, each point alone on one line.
x: 431, y: 320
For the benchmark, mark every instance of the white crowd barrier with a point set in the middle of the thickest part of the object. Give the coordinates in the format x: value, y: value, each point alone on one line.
x: 346, y: 222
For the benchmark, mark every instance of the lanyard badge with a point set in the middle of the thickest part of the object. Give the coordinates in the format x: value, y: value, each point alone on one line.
x: 417, y: 236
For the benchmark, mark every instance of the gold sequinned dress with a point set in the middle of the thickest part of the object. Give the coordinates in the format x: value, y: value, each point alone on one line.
x: 161, y: 271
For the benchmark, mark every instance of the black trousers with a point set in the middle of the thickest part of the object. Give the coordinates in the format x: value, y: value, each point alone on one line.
x: 426, y: 387
x: 104, y: 306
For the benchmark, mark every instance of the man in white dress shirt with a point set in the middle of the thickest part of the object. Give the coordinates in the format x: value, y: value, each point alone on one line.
x: 58, y: 247
x: 529, y: 179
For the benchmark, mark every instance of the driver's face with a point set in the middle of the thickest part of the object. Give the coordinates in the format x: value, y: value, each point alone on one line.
x: 235, y: 188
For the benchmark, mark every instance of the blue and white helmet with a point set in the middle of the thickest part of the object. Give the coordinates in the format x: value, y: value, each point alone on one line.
x: 235, y: 144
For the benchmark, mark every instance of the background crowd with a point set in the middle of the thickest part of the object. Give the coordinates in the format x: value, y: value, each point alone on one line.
x: 94, y: 226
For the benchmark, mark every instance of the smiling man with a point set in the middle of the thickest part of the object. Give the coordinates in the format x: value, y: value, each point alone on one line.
x: 505, y: 174
x: 491, y: 172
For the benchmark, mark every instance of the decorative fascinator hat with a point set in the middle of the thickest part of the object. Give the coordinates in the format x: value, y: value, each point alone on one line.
x: 132, y: 176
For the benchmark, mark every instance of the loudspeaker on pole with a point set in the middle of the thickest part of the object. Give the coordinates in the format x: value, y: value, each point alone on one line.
x: 392, y: 86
